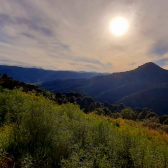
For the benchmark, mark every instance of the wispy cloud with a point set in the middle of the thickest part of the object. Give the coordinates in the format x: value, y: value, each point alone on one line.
x: 162, y: 62
x: 87, y: 60
x: 160, y: 48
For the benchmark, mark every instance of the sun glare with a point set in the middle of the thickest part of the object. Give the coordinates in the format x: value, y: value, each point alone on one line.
x: 119, y: 26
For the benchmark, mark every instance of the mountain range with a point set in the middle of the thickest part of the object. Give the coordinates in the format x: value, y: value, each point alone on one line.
x: 145, y: 86
x: 35, y: 75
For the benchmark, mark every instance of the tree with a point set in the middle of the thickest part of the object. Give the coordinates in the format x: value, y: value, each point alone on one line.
x: 165, y: 122
x: 85, y: 103
x: 143, y: 114
x: 163, y: 118
x: 91, y: 107
x: 98, y: 104
x: 106, y: 104
x: 115, y: 107
x: 110, y: 107
x: 5, y: 76
x: 106, y: 111
x: 120, y: 107
x: 138, y: 110
x: 71, y: 94
x: 99, y: 111
x: 72, y: 99
x: 116, y: 115
x: 58, y: 95
x: 79, y: 99
x: 151, y: 115
x: 128, y: 114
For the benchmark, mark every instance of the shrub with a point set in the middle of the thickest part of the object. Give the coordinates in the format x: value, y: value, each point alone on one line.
x: 143, y: 114
x: 151, y: 115
x: 164, y: 128
x: 165, y: 122
x: 163, y: 118
x: 128, y: 114
x: 115, y: 115
x: 99, y: 111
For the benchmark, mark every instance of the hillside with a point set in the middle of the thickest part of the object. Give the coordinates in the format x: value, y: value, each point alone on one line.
x: 35, y: 75
x: 36, y: 132
x: 112, y: 88
x: 86, y: 103
x: 144, y: 76
x: 155, y: 98
x: 63, y: 85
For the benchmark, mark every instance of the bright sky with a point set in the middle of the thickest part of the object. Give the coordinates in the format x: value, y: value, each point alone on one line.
x: 75, y: 34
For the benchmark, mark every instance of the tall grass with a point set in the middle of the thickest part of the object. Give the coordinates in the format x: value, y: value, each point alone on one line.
x: 44, y: 134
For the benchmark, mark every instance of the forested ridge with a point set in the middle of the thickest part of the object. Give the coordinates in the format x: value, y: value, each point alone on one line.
x: 123, y: 87
x: 86, y: 103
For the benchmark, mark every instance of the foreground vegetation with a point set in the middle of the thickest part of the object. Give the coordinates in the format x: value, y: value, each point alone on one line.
x: 37, y: 132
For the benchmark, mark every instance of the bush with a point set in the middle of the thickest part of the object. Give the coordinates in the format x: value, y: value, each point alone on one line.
x: 165, y: 122
x: 99, y: 111
x: 151, y: 115
x: 163, y: 118
x: 143, y: 114
x: 164, y: 128
x: 128, y: 114
x: 115, y: 115
x: 152, y: 125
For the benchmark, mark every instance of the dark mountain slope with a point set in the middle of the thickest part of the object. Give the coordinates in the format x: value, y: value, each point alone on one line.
x: 144, y: 77
x: 145, y: 86
x: 155, y: 98
x: 64, y: 85
x: 117, y: 93
x: 35, y: 75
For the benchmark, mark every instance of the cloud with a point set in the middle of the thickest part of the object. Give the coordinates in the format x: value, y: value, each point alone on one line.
x: 133, y: 63
x: 160, y: 51
x: 87, y: 60
x: 75, y: 35
x: 92, y: 68
x: 4, y: 60
x: 108, y: 66
x: 162, y: 62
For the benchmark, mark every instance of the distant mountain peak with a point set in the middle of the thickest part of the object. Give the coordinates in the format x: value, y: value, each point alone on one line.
x: 149, y: 66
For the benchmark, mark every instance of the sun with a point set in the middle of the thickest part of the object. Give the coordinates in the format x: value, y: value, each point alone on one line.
x: 119, y: 26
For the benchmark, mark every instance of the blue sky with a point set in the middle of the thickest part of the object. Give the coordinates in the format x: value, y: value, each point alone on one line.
x: 75, y: 35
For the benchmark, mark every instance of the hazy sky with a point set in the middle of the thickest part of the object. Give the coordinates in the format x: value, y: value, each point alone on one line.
x: 75, y: 34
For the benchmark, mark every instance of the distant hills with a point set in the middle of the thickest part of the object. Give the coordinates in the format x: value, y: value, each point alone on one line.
x: 35, y: 75
x: 145, y: 86
x: 155, y: 98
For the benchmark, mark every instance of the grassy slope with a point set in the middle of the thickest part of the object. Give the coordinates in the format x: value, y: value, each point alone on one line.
x: 39, y: 133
